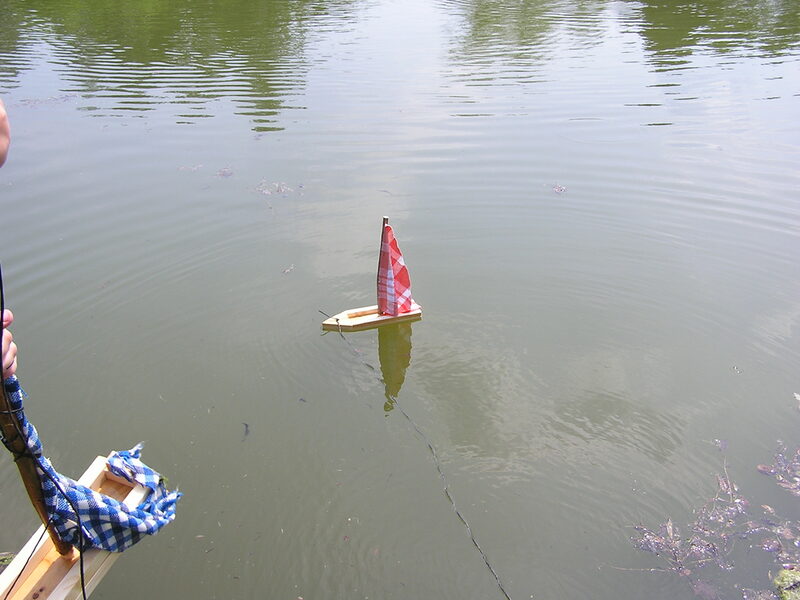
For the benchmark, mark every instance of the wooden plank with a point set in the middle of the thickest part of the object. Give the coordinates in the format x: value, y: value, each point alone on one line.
x: 367, y: 317
x: 96, y: 563
x: 48, y: 574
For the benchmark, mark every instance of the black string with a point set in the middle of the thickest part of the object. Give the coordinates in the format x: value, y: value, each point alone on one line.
x: 29, y: 454
x: 446, y: 485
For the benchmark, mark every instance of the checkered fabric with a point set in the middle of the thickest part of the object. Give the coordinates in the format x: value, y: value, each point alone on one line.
x: 394, y: 283
x: 106, y: 523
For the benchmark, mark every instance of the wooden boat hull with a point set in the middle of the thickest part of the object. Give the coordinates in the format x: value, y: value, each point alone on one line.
x: 367, y: 317
x: 49, y: 575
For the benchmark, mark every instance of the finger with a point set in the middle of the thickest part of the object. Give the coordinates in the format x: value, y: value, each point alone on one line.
x: 9, y: 349
x: 9, y: 359
x: 8, y: 317
x: 10, y: 369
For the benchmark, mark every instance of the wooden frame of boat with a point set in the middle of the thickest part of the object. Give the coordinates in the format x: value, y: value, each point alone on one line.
x: 48, y: 574
x: 367, y: 317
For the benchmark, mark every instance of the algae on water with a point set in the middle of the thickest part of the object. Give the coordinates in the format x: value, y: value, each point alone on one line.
x: 5, y: 560
x: 787, y: 584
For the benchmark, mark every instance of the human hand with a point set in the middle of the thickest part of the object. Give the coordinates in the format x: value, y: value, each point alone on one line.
x: 5, y: 133
x: 9, y: 347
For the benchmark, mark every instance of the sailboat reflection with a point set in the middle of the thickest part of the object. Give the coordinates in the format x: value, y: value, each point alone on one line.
x: 394, y: 353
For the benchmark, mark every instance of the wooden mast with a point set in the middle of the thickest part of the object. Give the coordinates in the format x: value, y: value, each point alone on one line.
x: 380, y: 249
x: 26, y: 463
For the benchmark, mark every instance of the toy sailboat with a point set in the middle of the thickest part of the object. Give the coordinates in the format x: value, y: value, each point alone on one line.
x: 117, y: 502
x: 40, y: 571
x: 395, y: 303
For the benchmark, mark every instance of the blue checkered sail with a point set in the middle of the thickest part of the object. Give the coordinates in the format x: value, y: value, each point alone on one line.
x: 106, y: 523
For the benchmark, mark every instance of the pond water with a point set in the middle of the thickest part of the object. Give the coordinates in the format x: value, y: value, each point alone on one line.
x: 598, y: 204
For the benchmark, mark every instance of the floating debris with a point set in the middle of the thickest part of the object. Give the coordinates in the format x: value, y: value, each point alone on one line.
x: 192, y: 168
x: 786, y: 470
x: 719, y: 523
x: 559, y: 189
x: 748, y: 594
x: 289, y: 269
x: 275, y: 187
x: 45, y: 101
x: 225, y: 172
x: 722, y: 522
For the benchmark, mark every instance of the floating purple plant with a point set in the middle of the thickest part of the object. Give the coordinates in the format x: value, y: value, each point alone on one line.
x: 718, y: 524
x: 748, y: 594
x: 723, y: 520
x: 786, y: 470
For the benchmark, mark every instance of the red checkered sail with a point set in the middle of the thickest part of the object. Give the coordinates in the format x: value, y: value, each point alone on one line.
x: 394, y: 283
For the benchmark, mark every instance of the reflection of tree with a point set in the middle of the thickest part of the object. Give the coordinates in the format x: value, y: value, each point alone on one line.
x: 146, y: 52
x: 519, y: 33
x: 522, y: 32
x: 479, y: 391
x: 607, y: 399
x: 598, y: 404
x: 460, y: 389
x: 676, y: 28
x: 619, y: 420
x: 11, y: 20
x: 494, y: 26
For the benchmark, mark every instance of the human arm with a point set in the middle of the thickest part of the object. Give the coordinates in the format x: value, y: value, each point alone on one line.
x: 5, y: 133
x: 8, y: 358
x: 9, y: 348
x: 9, y: 355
